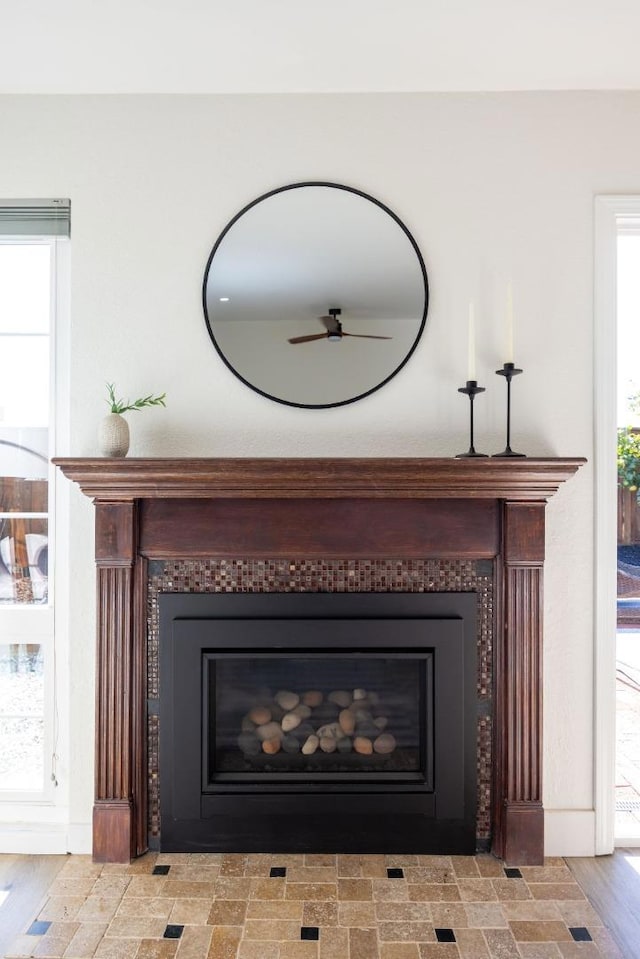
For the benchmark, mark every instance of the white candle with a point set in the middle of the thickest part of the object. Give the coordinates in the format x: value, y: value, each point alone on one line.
x: 509, y: 357
x: 471, y: 372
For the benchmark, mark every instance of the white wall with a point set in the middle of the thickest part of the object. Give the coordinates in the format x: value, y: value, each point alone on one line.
x: 493, y: 187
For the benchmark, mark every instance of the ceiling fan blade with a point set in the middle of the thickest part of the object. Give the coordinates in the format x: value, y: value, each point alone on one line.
x: 307, y: 339
x: 367, y: 336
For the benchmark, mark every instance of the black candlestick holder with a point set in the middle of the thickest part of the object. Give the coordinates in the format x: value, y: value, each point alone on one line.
x: 509, y: 370
x: 471, y: 389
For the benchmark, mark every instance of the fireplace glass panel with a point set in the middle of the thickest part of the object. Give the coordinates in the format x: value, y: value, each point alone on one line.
x: 318, y: 716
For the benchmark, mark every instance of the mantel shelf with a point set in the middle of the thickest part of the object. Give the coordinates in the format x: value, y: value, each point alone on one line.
x: 521, y: 479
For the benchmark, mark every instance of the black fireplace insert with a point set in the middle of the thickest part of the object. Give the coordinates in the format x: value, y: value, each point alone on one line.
x: 324, y: 722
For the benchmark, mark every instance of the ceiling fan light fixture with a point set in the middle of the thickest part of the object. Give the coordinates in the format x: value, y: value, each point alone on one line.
x: 334, y: 335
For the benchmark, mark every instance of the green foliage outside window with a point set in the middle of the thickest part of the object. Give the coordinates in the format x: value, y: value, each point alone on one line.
x: 629, y: 457
x: 629, y: 449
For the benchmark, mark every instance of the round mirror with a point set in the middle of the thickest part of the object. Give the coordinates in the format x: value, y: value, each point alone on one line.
x: 315, y: 295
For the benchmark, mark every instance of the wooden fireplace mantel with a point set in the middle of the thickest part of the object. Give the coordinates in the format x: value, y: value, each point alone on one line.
x: 126, y: 479
x: 335, y: 508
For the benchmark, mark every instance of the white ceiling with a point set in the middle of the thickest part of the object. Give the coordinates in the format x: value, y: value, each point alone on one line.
x: 291, y: 46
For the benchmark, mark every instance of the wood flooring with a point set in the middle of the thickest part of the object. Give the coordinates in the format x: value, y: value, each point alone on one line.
x: 612, y: 885
x: 27, y: 880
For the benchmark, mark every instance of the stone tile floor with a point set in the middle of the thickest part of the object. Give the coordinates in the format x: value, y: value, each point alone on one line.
x: 233, y: 906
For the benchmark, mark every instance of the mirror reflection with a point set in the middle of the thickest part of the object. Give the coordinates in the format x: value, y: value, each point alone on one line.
x: 315, y: 295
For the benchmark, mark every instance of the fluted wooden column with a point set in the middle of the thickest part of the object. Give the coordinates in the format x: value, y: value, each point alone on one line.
x: 117, y: 682
x: 519, y: 814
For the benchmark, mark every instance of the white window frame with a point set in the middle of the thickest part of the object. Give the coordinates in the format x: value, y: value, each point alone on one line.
x: 613, y: 214
x: 40, y: 623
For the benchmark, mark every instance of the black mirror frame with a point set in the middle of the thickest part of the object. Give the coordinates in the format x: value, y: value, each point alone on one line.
x: 348, y: 189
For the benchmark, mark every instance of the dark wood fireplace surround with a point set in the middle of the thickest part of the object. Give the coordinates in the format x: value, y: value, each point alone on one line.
x: 149, y: 509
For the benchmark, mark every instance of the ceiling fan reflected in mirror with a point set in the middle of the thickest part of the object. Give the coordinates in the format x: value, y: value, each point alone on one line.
x: 334, y: 331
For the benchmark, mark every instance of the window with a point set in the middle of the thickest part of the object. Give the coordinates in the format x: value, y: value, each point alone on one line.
x: 614, y: 215
x: 30, y: 235
x: 627, y: 781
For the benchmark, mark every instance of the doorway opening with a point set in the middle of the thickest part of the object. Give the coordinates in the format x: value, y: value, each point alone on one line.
x: 627, y: 769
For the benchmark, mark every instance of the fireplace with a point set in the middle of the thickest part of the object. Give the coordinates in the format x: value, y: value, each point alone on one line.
x: 328, y: 722
x: 202, y: 512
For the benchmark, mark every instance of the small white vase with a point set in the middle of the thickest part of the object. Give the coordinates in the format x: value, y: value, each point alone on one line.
x: 114, y: 436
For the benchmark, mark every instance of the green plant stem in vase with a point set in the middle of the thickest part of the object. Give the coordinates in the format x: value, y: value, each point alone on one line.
x: 126, y: 406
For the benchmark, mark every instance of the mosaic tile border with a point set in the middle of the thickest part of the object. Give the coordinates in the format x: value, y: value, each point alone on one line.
x: 327, y: 575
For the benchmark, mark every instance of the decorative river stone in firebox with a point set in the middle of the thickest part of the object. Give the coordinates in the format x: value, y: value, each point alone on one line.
x: 341, y: 721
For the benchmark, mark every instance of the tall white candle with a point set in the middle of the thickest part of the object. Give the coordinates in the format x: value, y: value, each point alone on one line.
x: 509, y: 356
x: 471, y: 371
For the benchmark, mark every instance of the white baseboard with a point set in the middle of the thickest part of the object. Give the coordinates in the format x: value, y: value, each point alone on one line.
x: 627, y: 842
x: 569, y: 832
x: 33, y: 839
x: 80, y: 838
x: 45, y: 839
